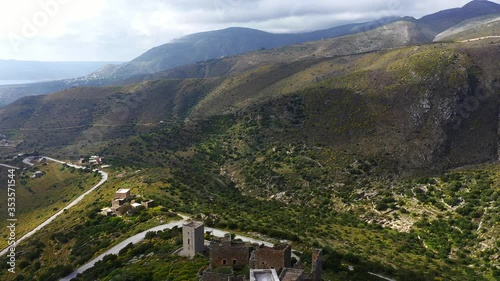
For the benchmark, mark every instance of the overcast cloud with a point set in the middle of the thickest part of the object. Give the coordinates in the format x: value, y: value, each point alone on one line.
x: 120, y: 30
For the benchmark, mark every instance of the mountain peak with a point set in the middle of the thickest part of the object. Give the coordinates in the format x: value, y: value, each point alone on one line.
x: 443, y: 20
x: 482, y: 4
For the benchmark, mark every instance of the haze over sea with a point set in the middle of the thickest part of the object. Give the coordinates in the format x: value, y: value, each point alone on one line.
x: 13, y: 82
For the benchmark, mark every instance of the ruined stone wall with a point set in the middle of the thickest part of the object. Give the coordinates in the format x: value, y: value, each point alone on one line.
x: 212, y: 276
x: 267, y: 258
x: 316, y: 265
x: 233, y: 254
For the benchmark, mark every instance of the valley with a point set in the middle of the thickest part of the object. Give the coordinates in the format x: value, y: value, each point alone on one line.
x: 378, y: 144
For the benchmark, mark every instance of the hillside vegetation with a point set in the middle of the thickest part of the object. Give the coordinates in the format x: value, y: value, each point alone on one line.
x: 405, y: 106
x: 441, y: 21
x: 40, y: 198
x: 210, y: 45
x: 476, y: 28
x: 222, y: 43
x: 360, y: 154
x: 183, y: 51
x: 393, y: 35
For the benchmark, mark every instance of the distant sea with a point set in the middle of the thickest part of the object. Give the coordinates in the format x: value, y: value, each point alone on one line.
x: 13, y: 82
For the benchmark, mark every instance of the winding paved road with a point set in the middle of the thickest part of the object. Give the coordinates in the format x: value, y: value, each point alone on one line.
x: 134, y: 239
x: 381, y: 276
x: 76, y: 201
x: 222, y: 233
x: 116, y: 249
x: 8, y: 166
x: 479, y: 38
x: 139, y: 237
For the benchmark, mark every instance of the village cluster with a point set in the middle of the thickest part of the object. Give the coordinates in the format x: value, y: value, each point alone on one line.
x: 228, y: 255
x: 123, y: 202
x: 4, y: 141
x: 229, y: 259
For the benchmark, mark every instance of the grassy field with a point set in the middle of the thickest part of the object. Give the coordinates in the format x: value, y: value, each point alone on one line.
x: 38, y: 199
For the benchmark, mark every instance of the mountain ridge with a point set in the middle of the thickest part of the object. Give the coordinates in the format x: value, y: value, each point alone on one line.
x: 443, y: 20
x: 342, y: 144
x: 228, y: 42
x: 158, y: 59
x: 40, y: 70
x: 470, y: 29
x: 98, y: 112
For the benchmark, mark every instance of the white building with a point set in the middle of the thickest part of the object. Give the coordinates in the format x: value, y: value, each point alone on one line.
x: 263, y: 275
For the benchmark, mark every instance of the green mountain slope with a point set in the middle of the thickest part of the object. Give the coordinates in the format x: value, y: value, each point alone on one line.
x: 308, y: 143
x: 471, y: 29
x: 40, y: 198
x: 190, y: 49
x: 233, y: 41
x: 409, y: 106
x: 89, y: 115
x: 393, y: 35
x: 443, y: 20
x: 343, y: 152
x: 227, y: 42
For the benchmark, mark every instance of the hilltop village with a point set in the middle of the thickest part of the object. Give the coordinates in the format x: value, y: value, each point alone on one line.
x: 229, y: 258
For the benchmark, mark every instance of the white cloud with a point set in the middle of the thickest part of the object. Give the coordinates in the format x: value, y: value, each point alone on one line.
x: 123, y: 29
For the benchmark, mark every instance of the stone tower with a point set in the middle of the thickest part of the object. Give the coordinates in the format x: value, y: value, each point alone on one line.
x: 193, y: 239
x: 316, y: 265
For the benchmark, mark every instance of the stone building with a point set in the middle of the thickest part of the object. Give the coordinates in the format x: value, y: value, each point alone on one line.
x: 228, y: 256
x: 117, y: 203
x: 293, y: 274
x: 263, y: 274
x: 278, y: 257
x: 123, y: 194
x: 317, y: 265
x: 193, y: 239
x: 215, y: 276
x: 226, y: 252
x: 148, y: 204
x: 108, y: 212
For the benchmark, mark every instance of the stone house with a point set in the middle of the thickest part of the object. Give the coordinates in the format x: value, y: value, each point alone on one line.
x: 193, y: 239
x: 148, y: 204
x: 123, y: 194
x: 278, y: 257
x: 227, y: 252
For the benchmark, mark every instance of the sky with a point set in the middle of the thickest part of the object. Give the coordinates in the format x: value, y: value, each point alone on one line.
x: 120, y: 30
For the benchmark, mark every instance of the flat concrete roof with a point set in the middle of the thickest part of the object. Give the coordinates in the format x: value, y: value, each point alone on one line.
x: 194, y: 224
x: 291, y: 274
x: 263, y: 275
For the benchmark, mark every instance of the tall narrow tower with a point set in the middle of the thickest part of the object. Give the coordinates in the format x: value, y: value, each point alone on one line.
x: 316, y: 265
x: 193, y: 239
